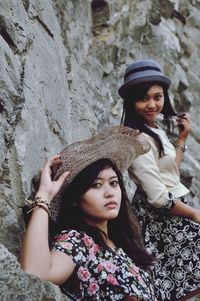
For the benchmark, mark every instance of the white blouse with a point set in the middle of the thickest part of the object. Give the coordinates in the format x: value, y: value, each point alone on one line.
x: 158, y: 176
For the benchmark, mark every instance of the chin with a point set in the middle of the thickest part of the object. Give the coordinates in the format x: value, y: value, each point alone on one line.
x: 113, y: 215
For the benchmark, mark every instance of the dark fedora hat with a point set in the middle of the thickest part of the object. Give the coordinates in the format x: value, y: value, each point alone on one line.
x: 142, y: 71
x: 146, y: 71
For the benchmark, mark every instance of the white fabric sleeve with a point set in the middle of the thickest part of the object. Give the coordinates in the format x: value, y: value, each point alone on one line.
x: 145, y: 173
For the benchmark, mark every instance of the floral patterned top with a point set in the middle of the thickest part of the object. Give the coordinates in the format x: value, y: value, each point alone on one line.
x: 102, y: 274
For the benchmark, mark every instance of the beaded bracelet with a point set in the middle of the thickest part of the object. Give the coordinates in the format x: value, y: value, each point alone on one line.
x: 43, y: 207
x: 39, y: 200
x: 40, y: 206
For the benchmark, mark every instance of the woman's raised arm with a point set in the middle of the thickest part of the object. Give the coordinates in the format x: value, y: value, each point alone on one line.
x: 35, y: 256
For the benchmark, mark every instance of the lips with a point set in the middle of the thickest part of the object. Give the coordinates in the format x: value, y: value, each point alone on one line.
x: 111, y: 204
x: 150, y: 112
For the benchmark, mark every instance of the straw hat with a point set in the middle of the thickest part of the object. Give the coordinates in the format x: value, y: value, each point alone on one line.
x: 117, y: 143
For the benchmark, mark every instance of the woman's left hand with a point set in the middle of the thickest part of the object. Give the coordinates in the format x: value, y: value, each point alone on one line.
x: 49, y: 188
x: 185, y: 126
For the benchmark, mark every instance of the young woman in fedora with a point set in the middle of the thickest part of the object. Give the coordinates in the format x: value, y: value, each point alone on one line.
x: 98, y: 253
x: 170, y: 226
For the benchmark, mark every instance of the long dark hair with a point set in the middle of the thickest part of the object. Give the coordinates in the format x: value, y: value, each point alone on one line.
x: 124, y: 230
x: 131, y: 119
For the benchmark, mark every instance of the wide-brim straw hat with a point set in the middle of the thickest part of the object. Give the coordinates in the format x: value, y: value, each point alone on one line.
x: 117, y: 143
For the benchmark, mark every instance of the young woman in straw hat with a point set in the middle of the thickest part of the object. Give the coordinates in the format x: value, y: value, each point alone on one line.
x: 98, y: 253
x: 170, y: 226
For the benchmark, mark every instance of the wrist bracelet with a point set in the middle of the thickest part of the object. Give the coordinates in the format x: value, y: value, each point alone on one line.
x: 39, y: 200
x: 43, y: 207
x: 183, y: 148
x: 40, y: 206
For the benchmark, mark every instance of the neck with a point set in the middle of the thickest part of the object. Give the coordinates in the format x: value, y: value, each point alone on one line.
x: 152, y: 124
x: 110, y: 244
x: 101, y: 225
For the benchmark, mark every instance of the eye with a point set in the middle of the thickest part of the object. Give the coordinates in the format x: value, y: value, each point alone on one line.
x: 114, y: 183
x: 96, y: 185
x: 144, y: 99
x: 159, y: 96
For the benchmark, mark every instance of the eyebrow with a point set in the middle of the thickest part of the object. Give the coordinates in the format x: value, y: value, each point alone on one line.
x: 156, y: 93
x: 113, y: 177
x: 159, y: 92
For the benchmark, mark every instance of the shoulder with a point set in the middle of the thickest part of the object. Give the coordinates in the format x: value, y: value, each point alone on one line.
x: 75, y: 243
x: 75, y: 238
x: 153, y: 145
x: 66, y: 235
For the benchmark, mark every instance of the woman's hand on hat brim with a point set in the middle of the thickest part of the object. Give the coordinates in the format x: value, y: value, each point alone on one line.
x: 49, y: 188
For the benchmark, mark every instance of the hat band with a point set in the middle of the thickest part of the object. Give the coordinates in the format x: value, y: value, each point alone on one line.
x: 140, y: 69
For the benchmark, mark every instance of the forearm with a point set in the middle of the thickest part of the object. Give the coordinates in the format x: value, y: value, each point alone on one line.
x: 179, y: 152
x: 184, y: 210
x: 185, y: 123
x: 35, y: 257
x: 35, y: 254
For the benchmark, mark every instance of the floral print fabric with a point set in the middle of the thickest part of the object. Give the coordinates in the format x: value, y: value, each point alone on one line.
x: 175, y: 242
x: 103, y: 274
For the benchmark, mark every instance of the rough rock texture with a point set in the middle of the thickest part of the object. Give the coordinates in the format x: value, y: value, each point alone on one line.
x: 17, y: 285
x: 61, y: 63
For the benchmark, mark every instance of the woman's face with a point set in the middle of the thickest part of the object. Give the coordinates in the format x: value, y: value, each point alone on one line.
x: 151, y: 105
x: 102, y: 201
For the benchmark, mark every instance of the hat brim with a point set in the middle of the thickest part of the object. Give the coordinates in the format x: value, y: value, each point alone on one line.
x: 119, y: 144
x: 130, y: 84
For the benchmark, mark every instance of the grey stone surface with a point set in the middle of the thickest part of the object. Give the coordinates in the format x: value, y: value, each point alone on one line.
x: 61, y: 63
x: 19, y: 286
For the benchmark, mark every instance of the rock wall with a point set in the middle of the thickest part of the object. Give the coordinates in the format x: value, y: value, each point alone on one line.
x: 61, y: 64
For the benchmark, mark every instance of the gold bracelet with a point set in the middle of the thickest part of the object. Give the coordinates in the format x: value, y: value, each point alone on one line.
x: 182, y: 148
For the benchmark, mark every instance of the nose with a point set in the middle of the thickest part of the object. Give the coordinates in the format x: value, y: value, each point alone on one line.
x: 108, y: 191
x: 151, y: 103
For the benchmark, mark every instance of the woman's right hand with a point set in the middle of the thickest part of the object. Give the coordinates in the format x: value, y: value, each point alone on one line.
x: 49, y: 188
x: 35, y: 256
